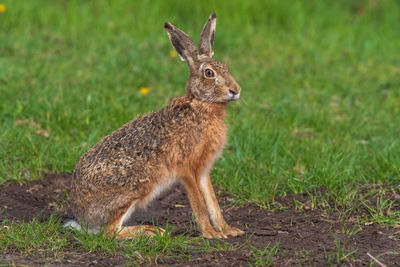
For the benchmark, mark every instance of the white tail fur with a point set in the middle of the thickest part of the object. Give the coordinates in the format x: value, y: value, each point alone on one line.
x: 74, y: 225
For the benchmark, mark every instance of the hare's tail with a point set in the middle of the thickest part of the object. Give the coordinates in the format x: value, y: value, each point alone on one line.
x: 72, y: 224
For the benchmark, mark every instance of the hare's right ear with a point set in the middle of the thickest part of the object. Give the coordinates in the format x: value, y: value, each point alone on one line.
x: 206, y: 44
x: 182, y: 43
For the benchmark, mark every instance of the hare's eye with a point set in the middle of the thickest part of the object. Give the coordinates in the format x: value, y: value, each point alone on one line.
x: 209, y: 73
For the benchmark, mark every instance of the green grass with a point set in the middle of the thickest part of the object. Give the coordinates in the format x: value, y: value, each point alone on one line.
x: 382, y: 211
x: 33, y: 237
x: 50, y: 239
x: 319, y: 107
x: 339, y: 255
x: 264, y: 256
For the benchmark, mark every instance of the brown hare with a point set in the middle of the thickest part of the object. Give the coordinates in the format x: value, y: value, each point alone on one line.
x: 132, y: 165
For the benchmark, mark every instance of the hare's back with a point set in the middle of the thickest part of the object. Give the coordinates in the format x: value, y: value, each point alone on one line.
x: 141, y: 146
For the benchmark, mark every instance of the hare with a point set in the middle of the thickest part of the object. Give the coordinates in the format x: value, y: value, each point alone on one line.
x: 180, y: 142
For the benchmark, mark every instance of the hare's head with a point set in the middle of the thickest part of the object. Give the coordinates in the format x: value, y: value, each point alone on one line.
x: 209, y: 81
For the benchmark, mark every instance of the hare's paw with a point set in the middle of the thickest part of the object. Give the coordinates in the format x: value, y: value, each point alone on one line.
x: 129, y: 232
x: 209, y: 234
x: 232, y: 231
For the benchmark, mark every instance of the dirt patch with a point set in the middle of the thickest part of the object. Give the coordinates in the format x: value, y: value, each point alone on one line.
x: 306, y: 237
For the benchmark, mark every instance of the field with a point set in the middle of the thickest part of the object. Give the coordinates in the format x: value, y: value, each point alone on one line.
x: 314, y: 135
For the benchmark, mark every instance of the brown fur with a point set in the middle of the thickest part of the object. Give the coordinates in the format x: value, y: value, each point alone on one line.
x: 127, y: 168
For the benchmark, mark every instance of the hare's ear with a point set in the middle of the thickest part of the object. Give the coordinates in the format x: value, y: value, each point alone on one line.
x: 206, y: 44
x: 182, y: 44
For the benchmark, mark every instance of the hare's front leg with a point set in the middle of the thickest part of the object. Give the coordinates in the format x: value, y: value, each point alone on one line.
x: 213, y: 208
x: 199, y: 207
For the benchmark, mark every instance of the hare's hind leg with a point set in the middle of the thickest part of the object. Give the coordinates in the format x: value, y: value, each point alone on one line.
x: 130, y: 231
x: 214, y: 209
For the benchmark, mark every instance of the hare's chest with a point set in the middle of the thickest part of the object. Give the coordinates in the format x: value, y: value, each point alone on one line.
x: 215, y: 140
x: 211, y: 150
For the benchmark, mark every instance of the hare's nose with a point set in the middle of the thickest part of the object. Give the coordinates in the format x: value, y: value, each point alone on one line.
x: 232, y: 92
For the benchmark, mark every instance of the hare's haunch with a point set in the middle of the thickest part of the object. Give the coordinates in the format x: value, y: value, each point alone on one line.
x: 180, y: 142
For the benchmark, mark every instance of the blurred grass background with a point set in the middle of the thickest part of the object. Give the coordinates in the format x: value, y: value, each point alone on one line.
x: 320, y: 101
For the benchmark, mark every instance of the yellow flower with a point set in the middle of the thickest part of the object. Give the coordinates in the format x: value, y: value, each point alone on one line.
x: 172, y: 53
x: 144, y: 90
x: 2, y: 8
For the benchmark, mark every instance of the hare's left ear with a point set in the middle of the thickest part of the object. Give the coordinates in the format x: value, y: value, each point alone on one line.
x: 206, y: 44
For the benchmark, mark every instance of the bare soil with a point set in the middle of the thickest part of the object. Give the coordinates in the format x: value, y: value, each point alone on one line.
x: 307, y: 236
